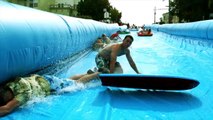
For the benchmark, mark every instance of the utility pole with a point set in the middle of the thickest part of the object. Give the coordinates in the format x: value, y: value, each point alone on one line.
x: 170, y: 16
x: 155, y: 9
x: 155, y: 15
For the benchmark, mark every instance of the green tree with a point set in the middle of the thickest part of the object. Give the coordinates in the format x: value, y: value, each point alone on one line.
x: 93, y: 8
x: 115, y: 15
x: 190, y: 10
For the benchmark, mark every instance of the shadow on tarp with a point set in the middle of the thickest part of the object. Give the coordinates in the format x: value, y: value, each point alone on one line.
x: 163, y: 101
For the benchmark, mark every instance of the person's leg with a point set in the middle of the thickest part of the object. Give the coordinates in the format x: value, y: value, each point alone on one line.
x: 76, y: 77
x: 103, y: 70
x: 88, y: 77
x: 57, y: 84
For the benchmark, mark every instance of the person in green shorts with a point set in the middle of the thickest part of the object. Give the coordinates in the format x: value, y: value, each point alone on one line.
x: 16, y: 93
x: 107, y: 57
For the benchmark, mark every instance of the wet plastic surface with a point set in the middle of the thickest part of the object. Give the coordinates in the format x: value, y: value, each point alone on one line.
x: 154, y: 56
x: 31, y: 39
x: 161, y: 54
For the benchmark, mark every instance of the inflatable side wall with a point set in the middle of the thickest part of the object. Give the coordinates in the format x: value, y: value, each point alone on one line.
x: 32, y: 39
x: 200, y: 29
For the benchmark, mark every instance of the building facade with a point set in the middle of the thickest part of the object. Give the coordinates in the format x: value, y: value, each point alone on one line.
x: 64, y: 7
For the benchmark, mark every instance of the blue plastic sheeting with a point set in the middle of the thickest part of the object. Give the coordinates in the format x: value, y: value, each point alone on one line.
x: 39, y: 41
x: 200, y: 29
x: 32, y: 39
x: 160, y: 54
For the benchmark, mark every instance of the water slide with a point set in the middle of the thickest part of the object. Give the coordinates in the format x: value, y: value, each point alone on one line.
x: 183, y: 50
x: 33, y: 39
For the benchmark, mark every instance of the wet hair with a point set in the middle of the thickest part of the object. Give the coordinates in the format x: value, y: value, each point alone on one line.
x: 103, y: 35
x: 129, y: 37
x: 3, y: 91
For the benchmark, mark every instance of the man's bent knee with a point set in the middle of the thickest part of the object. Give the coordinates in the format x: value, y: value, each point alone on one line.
x: 103, y: 70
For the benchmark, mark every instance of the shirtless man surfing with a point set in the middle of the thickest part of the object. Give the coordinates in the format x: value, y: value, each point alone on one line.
x: 107, y: 57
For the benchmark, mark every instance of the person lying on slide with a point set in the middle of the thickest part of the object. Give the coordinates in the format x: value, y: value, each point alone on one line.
x: 16, y: 93
x: 105, y: 39
x: 115, y: 37
x: 98, y: 45
x: 107, y: 57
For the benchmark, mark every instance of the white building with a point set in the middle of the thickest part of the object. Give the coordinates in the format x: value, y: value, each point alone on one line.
x: 65, y: 7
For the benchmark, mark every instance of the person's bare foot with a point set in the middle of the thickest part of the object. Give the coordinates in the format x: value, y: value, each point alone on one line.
x: 90, y: 71
x: 103, y: 70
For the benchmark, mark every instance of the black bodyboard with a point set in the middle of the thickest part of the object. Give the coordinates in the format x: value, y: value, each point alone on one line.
x: 148, y: 81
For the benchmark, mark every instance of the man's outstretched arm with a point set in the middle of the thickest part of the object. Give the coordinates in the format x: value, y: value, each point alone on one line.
x: 9, y: 107
x: 131, y: 62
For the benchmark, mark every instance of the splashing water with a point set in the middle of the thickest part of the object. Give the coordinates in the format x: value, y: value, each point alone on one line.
x: 80, y: 86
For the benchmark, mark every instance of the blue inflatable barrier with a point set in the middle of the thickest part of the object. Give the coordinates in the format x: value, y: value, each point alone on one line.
x: 31, y: 39
x: 200, y: 29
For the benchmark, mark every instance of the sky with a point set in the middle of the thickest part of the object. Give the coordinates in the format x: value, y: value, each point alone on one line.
x: 140, y: 12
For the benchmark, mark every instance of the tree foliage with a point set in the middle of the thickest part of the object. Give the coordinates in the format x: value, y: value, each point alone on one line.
x: 190, y: 10
x: 94, y: 9
x: 115, y: 15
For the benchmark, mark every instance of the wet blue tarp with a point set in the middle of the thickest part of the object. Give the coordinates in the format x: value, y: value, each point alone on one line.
x: 161, y: 54
x: 156, y: 55
x: 200, y: 29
